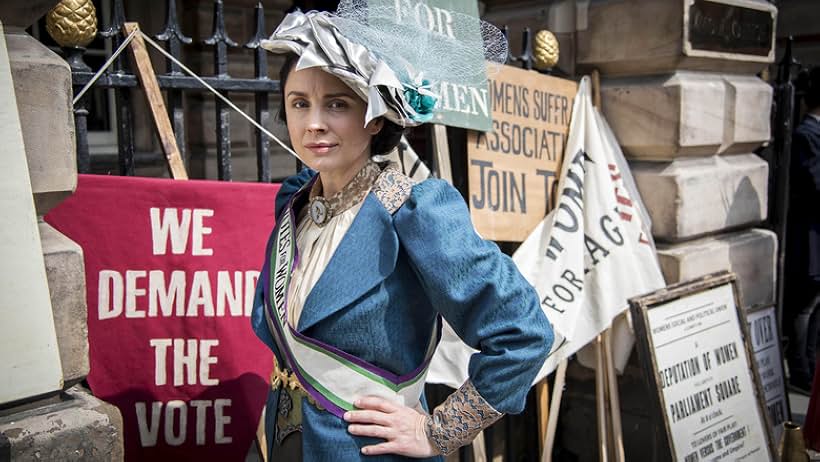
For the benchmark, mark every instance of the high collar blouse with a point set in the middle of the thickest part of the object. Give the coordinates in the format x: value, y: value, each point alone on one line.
x: 316, y: 244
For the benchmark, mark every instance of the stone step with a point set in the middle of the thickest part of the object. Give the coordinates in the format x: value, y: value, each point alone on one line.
x: 691, y: 197
x: 78, y: 427
x: 750, y: 254
x: 65, y: 272
x: 632, y: 37
x: 687, y: 114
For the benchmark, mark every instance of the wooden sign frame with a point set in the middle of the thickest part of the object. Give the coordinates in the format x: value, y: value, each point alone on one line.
x: 513, y: 169
x: 640, y: 307
x: 778, y: 346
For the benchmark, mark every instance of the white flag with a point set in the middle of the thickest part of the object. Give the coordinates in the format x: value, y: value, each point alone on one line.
x: 587, y: 257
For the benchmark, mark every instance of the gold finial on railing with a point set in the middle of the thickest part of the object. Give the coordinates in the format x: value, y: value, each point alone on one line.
x: 546, y: 50
x: 72, y: 23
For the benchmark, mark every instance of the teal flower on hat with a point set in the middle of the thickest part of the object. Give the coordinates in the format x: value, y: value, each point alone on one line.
x: 422, y: 99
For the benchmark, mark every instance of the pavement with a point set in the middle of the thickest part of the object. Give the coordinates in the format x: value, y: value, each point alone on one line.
x: 798, y: 403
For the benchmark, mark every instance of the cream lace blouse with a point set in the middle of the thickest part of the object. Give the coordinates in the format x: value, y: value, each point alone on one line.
x: 316, y: 246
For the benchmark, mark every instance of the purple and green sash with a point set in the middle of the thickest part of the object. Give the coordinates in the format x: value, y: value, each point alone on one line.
x: 332, y: 377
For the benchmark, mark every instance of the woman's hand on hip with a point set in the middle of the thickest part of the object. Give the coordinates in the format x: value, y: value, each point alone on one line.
x: 402, y: 427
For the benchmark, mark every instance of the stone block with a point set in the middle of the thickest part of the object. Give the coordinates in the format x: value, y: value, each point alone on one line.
x: 749, y: 102
x: 639, y: 37
x: 77, y: 428
x: 23, y: 14
x: 750, y: 254
x: 557, y: 17
x: 690, y: 197
x: 42, y: 86
x: 687, y: 114
x: 66, y: 283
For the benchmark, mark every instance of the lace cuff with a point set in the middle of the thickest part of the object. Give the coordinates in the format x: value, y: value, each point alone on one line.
x: 459, y: 419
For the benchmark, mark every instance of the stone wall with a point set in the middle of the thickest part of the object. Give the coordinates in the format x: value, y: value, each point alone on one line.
x: 689, y: 125
x: 65, y: 422
x: 689, y: 128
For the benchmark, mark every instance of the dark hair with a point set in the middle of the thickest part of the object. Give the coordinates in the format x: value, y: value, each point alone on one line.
x: 382, y: 143
x: 813, y: 89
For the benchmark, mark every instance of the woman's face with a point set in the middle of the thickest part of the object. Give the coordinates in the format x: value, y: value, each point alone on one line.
x: 325, y: 122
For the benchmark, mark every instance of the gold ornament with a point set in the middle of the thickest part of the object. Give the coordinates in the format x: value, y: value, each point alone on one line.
x: 546, y: 50
x: 792, y: 447
x: 72, y: 23
x: 288, y: 380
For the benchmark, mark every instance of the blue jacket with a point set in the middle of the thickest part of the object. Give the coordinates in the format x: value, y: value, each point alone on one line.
x: 803, y: 241
x: 384, y: 286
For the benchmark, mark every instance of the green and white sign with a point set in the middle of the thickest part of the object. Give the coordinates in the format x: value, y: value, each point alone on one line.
x: 461, y: 104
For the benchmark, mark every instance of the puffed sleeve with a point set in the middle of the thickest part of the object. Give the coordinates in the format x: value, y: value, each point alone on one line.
x: 479, y: 291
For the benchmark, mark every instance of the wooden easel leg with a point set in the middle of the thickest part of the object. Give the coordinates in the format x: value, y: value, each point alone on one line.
x: 148, y: 80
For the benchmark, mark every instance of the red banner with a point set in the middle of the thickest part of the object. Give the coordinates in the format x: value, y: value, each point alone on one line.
x: 812, y: 434
x: 171, y: 268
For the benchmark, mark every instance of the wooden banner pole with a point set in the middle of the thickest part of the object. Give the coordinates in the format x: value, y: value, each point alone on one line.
x: 441, y: 151
x: 261, y: 439
x: 616, y: 432
x: 601, y: 370
x: 601, y: 401
x: 542, y: 398
x: 145, y: 73
x: 478, y: 446
x: 596, y: 88
x: 555, y: 405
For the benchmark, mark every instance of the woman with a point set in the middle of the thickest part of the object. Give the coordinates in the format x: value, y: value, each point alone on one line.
x: 363, y: 263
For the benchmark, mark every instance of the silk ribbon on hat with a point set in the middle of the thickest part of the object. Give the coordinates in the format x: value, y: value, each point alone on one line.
x: 391, y: 65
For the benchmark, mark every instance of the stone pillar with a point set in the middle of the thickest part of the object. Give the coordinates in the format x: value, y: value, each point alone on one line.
x: 65, y: 423
x: 31, y: 363
x: 678, y: 88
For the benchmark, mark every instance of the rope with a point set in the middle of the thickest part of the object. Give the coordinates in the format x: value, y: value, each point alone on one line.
x: 219, y: 95
x: 190, y: 73
x: 105, y: 66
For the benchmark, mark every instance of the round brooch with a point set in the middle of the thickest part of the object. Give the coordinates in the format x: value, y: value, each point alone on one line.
x: 319, y: 210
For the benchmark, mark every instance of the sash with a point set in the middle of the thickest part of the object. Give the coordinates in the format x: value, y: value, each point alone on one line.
x: 331, y: 376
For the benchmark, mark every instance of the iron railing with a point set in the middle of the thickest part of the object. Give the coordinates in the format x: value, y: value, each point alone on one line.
x: 175, y: 84
x: 518, y: 444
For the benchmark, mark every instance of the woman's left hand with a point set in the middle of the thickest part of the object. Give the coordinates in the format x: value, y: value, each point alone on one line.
x: 402, y: 427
